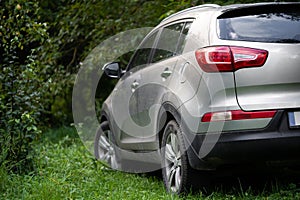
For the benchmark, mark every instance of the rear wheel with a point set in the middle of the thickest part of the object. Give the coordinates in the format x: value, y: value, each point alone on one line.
x: 104, y: 147
x: 178, y: 176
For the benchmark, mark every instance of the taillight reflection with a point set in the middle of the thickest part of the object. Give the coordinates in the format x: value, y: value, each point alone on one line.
x: 236, y: 115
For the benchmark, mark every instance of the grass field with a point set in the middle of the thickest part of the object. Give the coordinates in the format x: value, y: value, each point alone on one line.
x: 65, y: 170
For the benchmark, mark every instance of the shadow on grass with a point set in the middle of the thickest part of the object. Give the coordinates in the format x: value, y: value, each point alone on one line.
x: 257, y: 181
x: 247, y: 182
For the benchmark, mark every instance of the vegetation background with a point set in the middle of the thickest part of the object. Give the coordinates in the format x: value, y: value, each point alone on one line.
x: 41, y: 46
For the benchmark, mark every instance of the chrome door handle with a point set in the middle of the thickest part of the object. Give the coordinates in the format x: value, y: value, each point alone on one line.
x: 166, y: 73
x: 134, y: 85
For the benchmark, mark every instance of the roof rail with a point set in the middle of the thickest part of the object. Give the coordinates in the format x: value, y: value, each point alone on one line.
x: 192, y: 8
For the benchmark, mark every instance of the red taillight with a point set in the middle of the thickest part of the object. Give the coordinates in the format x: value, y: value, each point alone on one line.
x: 236, y: 115
x: 229, y: 59
x: 247, y: 57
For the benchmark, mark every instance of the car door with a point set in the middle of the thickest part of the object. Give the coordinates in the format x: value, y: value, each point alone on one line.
x: 126, y: 96
x: 155, y: 81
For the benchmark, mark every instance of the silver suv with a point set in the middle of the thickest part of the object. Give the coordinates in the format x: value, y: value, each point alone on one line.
x: 209, y: 86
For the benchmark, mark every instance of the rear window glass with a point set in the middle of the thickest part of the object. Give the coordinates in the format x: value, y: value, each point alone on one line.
x: 276, y: 23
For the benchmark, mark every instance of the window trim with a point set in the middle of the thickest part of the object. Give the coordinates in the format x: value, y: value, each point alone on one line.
x: 154, y: 31
x: 161, y: 28
x: 158, y: 29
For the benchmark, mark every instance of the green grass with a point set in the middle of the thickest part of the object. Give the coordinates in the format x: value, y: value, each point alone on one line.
x: 65, y: 170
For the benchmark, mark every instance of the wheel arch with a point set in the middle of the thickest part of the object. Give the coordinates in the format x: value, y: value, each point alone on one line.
x: 167, y: 113
x: 103, y: 117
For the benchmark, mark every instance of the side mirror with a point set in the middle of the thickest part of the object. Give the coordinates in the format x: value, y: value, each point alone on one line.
x: 113, y: 70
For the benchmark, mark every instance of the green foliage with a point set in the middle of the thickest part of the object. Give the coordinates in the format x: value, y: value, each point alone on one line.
x: 21, y: 35
x: 76, y: 27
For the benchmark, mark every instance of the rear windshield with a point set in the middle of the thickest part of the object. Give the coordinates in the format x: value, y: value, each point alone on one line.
x: 272, y: 23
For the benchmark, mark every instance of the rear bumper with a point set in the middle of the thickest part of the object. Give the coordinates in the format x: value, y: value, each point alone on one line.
x: 276, y: 143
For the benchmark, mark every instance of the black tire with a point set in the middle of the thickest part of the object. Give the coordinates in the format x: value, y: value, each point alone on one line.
x: 104, y: 146
x: 178, y: 176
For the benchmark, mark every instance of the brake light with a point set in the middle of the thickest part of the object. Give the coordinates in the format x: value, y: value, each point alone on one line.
x: 236, y: 115
x: 229, y: 58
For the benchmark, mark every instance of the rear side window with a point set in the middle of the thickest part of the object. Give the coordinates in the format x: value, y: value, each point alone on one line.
x: 167, y: 43
x: 270, y: 23
x: 171, y: 41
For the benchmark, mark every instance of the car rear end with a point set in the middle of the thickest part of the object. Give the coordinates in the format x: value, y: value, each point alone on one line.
x: 250, y: 87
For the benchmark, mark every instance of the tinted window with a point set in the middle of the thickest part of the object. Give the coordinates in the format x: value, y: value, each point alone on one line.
x: 142, y: 54
x: 167, y: 43
x: 280, y: 24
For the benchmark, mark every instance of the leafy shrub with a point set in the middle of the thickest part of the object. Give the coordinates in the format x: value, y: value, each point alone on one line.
x: 21, y: 35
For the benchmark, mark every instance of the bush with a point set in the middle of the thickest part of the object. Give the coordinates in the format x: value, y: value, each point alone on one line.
x: 22, y: 83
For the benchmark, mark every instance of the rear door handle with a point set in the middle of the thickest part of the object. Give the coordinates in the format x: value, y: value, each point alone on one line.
x: 134, y: 85
x: 166, y: 73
